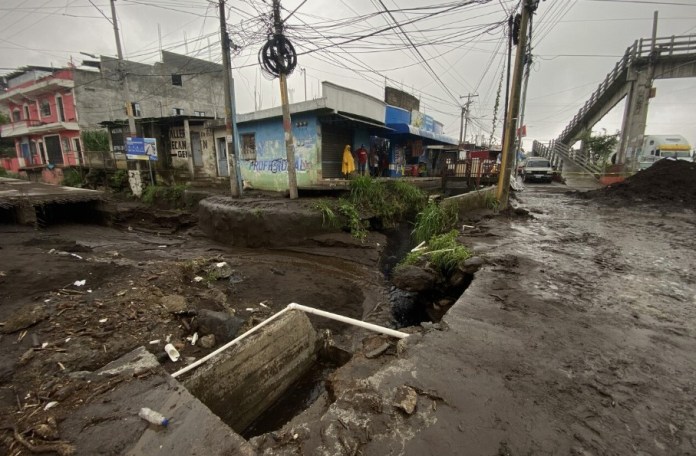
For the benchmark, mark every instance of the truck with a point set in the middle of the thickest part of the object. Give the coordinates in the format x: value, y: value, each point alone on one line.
x: 657, y: 147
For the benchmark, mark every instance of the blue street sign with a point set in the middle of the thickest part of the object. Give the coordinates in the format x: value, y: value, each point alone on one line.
x: 141, y: 149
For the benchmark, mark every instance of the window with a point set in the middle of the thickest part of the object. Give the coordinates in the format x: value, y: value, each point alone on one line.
x: 176, y: 80
x: 77, y: 146
x: 16, y: 115
x: 65, y: 142
x: 60, y: 109
x: 249, y: 146
x: 177, y: 111
x: 26, y: 112
x: 135, y: 108
x: 199, y: 113
x: 45, y: 108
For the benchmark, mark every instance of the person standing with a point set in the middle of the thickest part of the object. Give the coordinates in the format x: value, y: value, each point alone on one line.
x: 374, y: 163
x: 361, y: 154
x: 348, y: 165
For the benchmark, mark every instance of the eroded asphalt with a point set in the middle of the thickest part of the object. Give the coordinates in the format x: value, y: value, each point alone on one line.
x: 576, y: 338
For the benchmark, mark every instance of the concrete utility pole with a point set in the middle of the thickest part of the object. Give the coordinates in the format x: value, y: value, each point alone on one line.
x: 511, y: 20
x: 503, y: 190
x: 465, y: 117
x: 235, y: 184
x: 287, y: 122
x: 527, y: 69
x: 124, y: 74
x: 304, y: 73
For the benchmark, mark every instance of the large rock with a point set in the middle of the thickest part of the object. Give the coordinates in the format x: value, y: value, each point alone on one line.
x: 472, y: 265
x: 174, y: 303
x: 414, y: 278
x: 221, y: 324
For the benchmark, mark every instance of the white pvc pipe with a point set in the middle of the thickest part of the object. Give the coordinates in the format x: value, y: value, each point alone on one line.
x: 229, y: 344
x: 294, y: 306
x: 350, y: 321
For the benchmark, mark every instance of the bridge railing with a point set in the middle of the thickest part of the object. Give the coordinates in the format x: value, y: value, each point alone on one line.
x: 643, y: 48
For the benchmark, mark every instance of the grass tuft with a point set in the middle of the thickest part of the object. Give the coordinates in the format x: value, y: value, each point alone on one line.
x: 443, y: 251
x: 435, y: 219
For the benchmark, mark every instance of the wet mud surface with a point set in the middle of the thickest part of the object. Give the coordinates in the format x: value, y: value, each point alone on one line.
x: 577, y: 338
x: 145, y: 279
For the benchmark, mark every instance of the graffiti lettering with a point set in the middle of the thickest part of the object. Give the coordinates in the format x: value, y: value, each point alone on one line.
x: 279, y: 165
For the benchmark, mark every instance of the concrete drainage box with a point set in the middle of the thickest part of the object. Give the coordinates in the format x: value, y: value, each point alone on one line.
x: 243, y: 381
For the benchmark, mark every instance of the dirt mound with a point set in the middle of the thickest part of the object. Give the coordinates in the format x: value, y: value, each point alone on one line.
x: 667, y: 182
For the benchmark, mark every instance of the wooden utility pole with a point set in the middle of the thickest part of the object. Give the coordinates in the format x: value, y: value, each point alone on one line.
x: 235, y: 185
x: 287, y: 122
x: 503, y: 190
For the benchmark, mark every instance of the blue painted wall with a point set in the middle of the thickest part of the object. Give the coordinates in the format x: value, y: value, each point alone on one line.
x: 270, y: 169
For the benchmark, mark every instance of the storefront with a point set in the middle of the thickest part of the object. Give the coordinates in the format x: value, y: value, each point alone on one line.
x: 412, y: 134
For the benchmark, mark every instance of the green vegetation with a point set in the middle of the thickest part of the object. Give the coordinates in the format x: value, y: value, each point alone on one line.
x: 167, y: 195
x: 388, y: 201
x: 118, y: 181
x: 9, y: 174
x: 73, y: 178
x: 443, y: 251
x: 95, y: 140
x: 435, y: 219
x: 599, y: 147
x: 492, y: 202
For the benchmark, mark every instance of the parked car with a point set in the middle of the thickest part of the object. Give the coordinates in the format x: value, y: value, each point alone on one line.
x: 537, y: 169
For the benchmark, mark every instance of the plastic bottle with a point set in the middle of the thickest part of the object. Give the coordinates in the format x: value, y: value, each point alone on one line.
x: 153, y: 417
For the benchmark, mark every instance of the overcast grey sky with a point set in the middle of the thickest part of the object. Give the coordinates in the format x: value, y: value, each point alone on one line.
x: 576, y: 43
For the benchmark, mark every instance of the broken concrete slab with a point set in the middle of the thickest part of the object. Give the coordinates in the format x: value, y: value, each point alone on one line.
x: 111, y: 424
x: 252, y: 375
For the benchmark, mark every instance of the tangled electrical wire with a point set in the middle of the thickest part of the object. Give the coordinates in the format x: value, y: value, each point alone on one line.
x: 278, y: 56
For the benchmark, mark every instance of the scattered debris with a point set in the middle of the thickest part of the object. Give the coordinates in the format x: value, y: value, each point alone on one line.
x: 207, y: 341
x: 406, y: 399
x: 172, y: 352
x: 79, y: 283
x: 50, y: 405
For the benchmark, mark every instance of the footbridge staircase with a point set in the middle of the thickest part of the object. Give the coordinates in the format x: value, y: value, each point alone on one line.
x: 631, y: 78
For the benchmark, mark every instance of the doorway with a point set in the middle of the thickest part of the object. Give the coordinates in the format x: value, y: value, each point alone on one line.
x: 196, y: 150
x: 223, y: 170
x: 53, y: 150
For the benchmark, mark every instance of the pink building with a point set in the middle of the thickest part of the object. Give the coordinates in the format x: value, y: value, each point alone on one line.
x: 43, y: 118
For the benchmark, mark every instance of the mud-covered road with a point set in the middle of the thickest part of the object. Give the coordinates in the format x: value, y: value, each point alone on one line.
x: 577, y: 338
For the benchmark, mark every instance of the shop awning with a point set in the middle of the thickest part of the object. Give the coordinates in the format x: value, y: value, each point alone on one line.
x: 366, y: 122
x: 415, y: 131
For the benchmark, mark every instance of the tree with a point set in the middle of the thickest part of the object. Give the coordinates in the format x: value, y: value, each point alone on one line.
x: 599, y: 147
x: 4, y: 118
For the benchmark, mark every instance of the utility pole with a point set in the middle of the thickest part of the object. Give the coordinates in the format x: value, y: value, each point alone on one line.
x: 287, y: 122
x: 511, y: 20
x: 304, y: 73
x: 465, y: 116
x: 235, y: 185
x: 503, y: 190
x: 132, y: 132
x: 461, y: 126
x: 124, y: 74
x: 527, y: 69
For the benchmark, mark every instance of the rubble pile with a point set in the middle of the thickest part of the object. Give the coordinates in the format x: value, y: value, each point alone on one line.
x: 667, y: 182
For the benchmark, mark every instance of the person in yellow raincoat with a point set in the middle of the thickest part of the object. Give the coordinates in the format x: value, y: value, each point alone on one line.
x: 348, y: 161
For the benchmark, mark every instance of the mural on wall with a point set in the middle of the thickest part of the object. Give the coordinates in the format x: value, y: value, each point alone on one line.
x: 177, y: 142
x: 269, y: 169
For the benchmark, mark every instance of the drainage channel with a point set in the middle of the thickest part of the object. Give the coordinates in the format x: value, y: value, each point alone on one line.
x: 263, y: 379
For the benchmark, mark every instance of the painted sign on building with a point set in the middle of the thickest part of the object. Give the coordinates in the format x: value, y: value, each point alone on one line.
x: 177, y: 142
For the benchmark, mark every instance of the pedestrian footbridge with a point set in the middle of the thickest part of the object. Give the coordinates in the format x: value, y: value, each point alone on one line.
x: 631, y: 78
